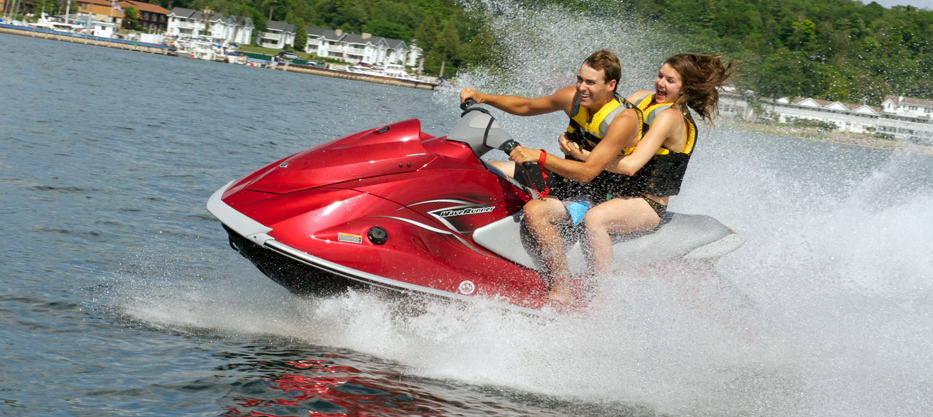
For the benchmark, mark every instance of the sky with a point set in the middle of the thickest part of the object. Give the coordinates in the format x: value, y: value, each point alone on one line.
x: 921, y: 4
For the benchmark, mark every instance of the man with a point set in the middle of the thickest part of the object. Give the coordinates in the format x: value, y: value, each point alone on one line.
x: 600, y: 122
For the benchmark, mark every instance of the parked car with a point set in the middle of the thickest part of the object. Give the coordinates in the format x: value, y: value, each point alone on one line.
x: 287, y: 55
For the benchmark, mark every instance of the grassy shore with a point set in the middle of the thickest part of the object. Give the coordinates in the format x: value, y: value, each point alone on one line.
x: 836, y: 137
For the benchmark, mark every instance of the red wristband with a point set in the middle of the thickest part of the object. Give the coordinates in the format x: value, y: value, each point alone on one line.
x: 542, y: 158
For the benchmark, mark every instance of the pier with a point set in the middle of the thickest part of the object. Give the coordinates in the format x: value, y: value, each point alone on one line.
x: 167, y: 50
x: 85, y: 39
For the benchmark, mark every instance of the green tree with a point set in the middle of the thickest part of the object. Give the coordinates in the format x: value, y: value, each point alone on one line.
x: 387, y: 29
x: 481, y: 50
x: 131, y: 18
x: 448, y: 42
x: 301, y: 34
x: 426, y: 34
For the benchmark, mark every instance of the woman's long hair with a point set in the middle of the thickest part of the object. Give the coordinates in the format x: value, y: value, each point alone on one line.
x: 702, y: 76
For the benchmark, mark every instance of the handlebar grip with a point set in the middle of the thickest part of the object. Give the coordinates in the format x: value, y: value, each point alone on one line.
x: 469, y: 102
x: 508, y: 146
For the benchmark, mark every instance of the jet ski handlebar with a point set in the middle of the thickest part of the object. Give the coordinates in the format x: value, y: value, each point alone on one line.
x: 470, y: 105
x: 492, y: 137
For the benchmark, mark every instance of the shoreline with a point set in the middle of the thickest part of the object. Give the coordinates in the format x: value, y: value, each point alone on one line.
x: 166, y: 51
x: 834, y: 137
x: 30, y: 32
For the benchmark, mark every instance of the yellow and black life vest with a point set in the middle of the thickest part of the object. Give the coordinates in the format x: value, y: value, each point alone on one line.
x: 664, y: 173
x: 587, y: 130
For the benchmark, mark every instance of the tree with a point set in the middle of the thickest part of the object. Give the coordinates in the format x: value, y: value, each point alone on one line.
x: 448, y: 42
x: 301, y: 34
x: 387, y: 29
x: 426, y: 34
x: 131, y: 18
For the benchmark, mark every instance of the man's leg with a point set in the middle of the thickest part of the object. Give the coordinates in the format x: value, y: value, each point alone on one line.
x: 542, y: 217
x: 507, y: 167
x: 616, y: 216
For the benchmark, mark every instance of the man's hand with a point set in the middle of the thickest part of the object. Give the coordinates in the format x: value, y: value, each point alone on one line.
x: 522, y: 154
x: 468, y: 93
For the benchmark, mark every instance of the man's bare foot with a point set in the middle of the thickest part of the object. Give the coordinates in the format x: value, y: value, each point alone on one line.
x: 562, y: 293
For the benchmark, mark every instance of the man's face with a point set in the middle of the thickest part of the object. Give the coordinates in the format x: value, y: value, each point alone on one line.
x: 592, y: 87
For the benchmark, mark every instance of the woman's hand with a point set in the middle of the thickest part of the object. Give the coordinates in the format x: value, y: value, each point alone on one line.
x: 571, y: 148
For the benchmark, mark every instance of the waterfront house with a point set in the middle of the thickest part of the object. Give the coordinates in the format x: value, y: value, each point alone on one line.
x: 886, y: 121
x: 278, y: 35
x: 322, y: 42
x: 353, y: 48
x: 101, y: 10
x: 152, y: 18
x: 906, y: 106
x: 187, y: 23
x: 232, y: 29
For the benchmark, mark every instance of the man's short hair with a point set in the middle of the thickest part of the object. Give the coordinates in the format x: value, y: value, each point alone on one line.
x: 608, y: 62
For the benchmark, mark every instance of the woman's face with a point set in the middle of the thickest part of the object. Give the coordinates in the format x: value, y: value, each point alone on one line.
x: 668, y: 85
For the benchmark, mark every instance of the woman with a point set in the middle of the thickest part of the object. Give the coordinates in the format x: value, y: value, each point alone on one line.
x: 655, y: 168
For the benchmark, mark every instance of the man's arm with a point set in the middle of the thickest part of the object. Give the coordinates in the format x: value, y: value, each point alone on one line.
x: 561, y: 100
x: 622, y: 128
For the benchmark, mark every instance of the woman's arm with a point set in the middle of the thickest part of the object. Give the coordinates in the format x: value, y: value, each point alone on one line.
x: 665, y: 124
x: 621, y: 129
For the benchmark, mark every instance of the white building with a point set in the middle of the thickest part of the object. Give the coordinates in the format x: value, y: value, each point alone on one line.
x: 187, y: 23
x: 847, y: 117
x: 278, y: 35
x: 354, y: 48
x: 906, y: 106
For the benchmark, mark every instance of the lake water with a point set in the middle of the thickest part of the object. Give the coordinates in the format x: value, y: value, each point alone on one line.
x: 120, y: 296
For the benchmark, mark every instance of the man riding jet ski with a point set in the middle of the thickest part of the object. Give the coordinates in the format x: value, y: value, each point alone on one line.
x: 396, y: 209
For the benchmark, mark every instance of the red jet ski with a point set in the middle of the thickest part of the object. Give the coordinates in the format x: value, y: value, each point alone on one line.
x: 397, y: 209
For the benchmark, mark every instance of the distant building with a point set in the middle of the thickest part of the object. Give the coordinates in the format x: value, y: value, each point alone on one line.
x: 152, y: 18
x: 101, y: 10
x: 187, y: 23
x: 897, y: 118
x: 353, y: 48
x: 278, y: 35
x: 906, y: 106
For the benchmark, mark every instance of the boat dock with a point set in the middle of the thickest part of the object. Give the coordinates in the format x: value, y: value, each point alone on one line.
x: 85, y: 39
x: 170, y: 50
x: 304, y: 69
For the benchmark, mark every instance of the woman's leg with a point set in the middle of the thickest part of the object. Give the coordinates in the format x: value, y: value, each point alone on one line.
x: 616, y: 216
x: 542, y: 216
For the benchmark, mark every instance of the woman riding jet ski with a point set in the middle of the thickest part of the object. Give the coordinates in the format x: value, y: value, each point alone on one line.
x: 394, y: 208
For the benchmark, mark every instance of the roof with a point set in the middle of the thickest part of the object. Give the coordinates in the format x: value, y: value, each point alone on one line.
x: 105, y: 3
x: 338, y: 35
x: 360, y: 39
x: 146, y: 7
x: 395, y: 43
x: 324, y: 33
x: 280, y: 26
x: 917, y: 101
x: 183, y: 12
x: 901, y: 100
